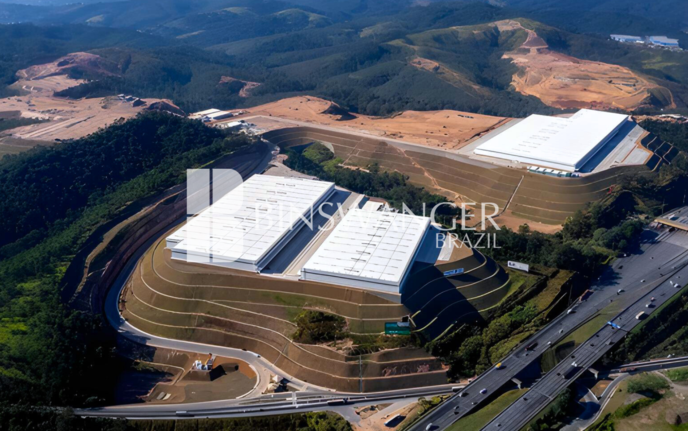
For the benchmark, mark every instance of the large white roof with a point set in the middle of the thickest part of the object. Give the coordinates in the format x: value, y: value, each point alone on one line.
x: 246, y: 223
x: 555, y: 142
x: 376, y: 246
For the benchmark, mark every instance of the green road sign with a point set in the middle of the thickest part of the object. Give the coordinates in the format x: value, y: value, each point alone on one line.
x: 397, y: 328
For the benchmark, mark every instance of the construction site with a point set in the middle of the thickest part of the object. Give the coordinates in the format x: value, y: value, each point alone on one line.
x: 62, y: 119
x: 451, y: 166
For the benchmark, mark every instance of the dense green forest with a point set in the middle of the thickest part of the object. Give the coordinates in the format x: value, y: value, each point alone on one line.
x: 55, y: 198
x: 24, y: 45
x: 19, y: 419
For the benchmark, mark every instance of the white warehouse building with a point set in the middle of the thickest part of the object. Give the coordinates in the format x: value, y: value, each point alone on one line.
x: 368, y: 250
x: 555, y: 142
x: 247, y: 227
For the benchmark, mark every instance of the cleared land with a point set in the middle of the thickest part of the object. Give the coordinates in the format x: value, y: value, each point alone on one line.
x: 440, y: 129
x: 566, y: 82
x: 246, y: 88
x: 63, y: 118
x: 167, y: 376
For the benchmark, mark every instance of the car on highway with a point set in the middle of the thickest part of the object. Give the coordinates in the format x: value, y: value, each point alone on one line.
x: 483, y: 391
x: 429, y: 427
x: 652, y: 299
x: 499, y: 366
x: 531, y: 346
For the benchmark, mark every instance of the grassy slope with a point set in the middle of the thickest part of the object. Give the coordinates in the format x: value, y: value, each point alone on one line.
x: 479, y: 419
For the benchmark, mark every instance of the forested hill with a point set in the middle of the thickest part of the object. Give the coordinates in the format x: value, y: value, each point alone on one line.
x: 47, y: 185
x: 24, y: 45
x: 372, y: 63
x: 52, y: 200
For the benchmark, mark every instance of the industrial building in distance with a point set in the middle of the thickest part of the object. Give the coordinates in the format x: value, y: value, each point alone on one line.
x: 555, y: 142
x: 660, y: 41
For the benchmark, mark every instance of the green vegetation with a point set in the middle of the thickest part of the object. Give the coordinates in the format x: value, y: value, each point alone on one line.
x: 23, y: 45
x: 49, y: 187
x: 318, y: 327
x: 663, y: 333
x: 552, y: 416
x: 674, y: 133
x: 16, y: 419
x: 394, y: 187
x: 587, y: 241
x: 647, y: 383
x: 470, y: 349
x: 633, y: 408
x: 679, y: 375
x: 54, y: 199
x: 564, y: 347
x: 371, y: 343
x: 11, y: 123
x: 482, y: 417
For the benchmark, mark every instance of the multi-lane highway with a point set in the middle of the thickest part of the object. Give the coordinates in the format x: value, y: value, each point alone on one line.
x: 560, y: 377
x: 636, y: 275
x: 274, y: 404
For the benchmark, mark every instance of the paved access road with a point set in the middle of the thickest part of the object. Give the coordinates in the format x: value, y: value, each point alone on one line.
x: 283, y: 403
x: 310, y: 398
x: 659, y: 251
x: 560, y: 377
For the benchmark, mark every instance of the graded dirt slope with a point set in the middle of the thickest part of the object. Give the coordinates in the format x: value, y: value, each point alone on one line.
x: 440, y: 129
x: 66, y: 118
x: 234, y: 308
x: 566, y: 82
x: 246, y: 88
x: 527, y: 196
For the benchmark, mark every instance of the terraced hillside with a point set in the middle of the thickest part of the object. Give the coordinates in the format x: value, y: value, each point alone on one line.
x: 530, y: 196
x: 438, y: 303
x: 221, y: 306
x: 238, y: 309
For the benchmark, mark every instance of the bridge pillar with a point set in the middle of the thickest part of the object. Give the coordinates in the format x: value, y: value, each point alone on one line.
x: 594, y: 372
x: 518, y: 382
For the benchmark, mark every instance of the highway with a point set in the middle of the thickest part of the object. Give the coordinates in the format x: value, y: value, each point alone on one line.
x: 283, y: 403
x: 659, y: 251
x: 669, y: 249
x: 560, y: 377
